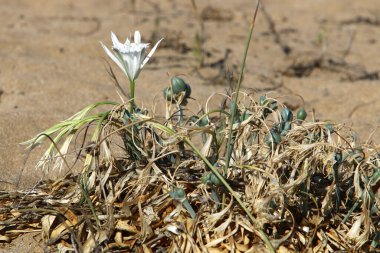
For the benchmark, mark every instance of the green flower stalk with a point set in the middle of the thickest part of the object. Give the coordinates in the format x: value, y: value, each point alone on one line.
x: 130, y: 57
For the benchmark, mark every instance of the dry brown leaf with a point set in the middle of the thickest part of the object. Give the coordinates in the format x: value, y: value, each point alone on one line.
x: 283, y: 249
x: 221, y: 239
x: 124, y: 226
x: 242, y: 247
x: 69, y: 215
x: 72, y: 220
x: 130, y: 243
x: 92, y: 240
x: 118, y: 237
x: 46, y: 222
x: 216, y: 250
x: 213, y: 218
x: 146, y: 249
x: 4, y: 238
x: 15, y: 213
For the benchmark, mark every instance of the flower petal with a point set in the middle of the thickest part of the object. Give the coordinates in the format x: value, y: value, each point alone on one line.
x: 136, y: 66
x: 113, y: 57
x: 124, y: 60
x: 137, y: 37
x: 115, y: 40
x: 151, y: 53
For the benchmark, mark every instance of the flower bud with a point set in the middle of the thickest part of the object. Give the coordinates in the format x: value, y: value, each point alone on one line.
x: 178, y: 85
x: 301, y: 114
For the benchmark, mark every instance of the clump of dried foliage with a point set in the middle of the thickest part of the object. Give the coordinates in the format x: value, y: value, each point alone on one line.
x: 147, y: 185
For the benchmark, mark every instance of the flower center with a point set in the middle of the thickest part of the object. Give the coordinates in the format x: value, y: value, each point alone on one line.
x: 131, y: 47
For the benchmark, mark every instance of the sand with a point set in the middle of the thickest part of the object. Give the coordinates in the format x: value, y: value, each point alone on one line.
x: 52, y: 64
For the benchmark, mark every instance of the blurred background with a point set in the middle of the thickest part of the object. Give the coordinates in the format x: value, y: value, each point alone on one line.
x: 52, y: 64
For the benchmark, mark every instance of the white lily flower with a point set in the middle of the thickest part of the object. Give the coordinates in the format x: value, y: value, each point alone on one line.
x: 131, y: 57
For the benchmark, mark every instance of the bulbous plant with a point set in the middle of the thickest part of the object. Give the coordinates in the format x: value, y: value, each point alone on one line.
x: 130, y: 57
x: 155, y: 191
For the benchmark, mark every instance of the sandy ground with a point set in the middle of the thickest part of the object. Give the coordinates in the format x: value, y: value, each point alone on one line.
x: 52, y: 64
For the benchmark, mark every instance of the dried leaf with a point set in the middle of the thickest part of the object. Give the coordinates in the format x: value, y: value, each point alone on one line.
x: 124, y: 226
x: 46, y: 222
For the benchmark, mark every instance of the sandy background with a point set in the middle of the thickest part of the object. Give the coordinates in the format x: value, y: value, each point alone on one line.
x: 52, y: 64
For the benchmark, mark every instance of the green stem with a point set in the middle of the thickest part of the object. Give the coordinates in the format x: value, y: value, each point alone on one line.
x: 180, y: 119
x: 132, y: 101
x: 235, y: 99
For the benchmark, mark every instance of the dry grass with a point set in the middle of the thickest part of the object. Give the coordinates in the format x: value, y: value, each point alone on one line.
x: 144, y: 188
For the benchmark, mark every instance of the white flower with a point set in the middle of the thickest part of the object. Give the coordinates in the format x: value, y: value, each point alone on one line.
x: 131, y: 57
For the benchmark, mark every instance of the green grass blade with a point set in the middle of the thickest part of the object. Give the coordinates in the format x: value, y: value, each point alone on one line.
x: 236, y: 94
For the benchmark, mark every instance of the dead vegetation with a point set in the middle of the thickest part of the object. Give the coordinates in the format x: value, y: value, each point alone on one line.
x: 308, y: 184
